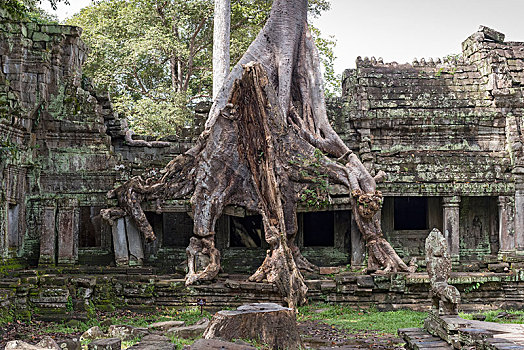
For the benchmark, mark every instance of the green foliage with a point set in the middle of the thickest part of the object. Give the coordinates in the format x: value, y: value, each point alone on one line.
x: 189, y: 315
x: 28, y: 10
x: 316, y: 194
x: 69, y: 304
x: 128, y: 343
x: 6, y: 316
x: 155, y: 57
x: 473, y: 287
x: 325, y: 46
x: 356, y: 320
x: 9, y: 150
x: 513, y: 316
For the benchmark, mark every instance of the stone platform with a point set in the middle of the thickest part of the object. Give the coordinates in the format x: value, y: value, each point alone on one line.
x: 453, y: 332
x: 67, y: 292
x: 420, y: 339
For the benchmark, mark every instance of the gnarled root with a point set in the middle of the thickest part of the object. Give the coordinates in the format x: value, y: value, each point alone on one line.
x: 203, y: 259
x: 280, y: 269
x: 301, y: 262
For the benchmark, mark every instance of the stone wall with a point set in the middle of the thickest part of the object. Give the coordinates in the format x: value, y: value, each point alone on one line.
x: 447, y: 129
x: 60, y: 158
x: 46, y: 295
x: 447, y: 133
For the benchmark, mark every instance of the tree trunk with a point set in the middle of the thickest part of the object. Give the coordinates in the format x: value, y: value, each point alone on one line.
x: 267, y: 144
x: 268, y: 323
x: 221, y: 37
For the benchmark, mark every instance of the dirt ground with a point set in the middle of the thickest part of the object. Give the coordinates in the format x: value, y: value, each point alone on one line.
x: 316, y: 335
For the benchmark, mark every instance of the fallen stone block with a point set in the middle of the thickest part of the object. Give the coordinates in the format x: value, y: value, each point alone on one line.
x: 329, y: 270
x: 154, y: 342
x: 105, y: 344
x: 21, y: 345
x: 189, y: 332
x: 165, y: 325
x: 92, y: 334
x: 125, y: 332
x: 70, y: 344
x: 48, y: 343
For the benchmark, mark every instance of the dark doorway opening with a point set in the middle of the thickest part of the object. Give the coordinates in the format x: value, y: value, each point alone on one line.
x: 90, y: 227
x: 177, y: 229
x: 246, y: 232
x: 319, y: 229
x: 411, y: 213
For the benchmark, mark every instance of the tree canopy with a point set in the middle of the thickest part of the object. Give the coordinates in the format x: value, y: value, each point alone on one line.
x: 29, y: 10
x: 154, y: 56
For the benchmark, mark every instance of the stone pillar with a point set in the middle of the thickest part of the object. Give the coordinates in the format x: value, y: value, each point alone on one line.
x: 342, y: 228
x: 120, y: 243
x: 3, y: 226
x: 506, y: 226
x: 519, y: 218
x: 451, y: 224
x: 68, y: 232
x: 134, y: 243
x: 48, y: 235
x: 358, y: 246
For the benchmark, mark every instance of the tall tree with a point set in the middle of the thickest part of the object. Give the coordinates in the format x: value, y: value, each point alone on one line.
x: 221, y: 38
x: 154, y: 56
x: 267, y: 140
x: 29, y: 10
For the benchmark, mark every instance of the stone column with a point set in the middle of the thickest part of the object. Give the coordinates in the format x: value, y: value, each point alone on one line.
x: 358, y: 246
x: 120, y: 243
x: 451, y: 224
x: 134, y: 243
x: 506, y: 226
x: 519, y: 218
x: 68, y: 232
x: 48, y: 235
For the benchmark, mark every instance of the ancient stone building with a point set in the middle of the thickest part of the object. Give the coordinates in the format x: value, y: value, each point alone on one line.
x: 448, y: 134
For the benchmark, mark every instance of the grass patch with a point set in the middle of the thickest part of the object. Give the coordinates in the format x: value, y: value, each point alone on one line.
x: 189, y: 315
x: 514, y: 316
x: 362, y: 320
x: 128, y: 343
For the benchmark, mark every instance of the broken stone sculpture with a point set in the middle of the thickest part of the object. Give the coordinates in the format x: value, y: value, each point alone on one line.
x: 445, y: 298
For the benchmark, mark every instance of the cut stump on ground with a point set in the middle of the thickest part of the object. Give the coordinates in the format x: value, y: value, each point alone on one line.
x: 266, y: 323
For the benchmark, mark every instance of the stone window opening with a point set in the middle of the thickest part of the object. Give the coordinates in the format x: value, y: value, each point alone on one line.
x: 410, y: 213
x: 318, y: 229
x: 246, y: 232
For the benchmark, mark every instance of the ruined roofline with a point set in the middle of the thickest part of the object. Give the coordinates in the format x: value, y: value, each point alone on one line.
x: 483, y: 35
x: 368, y: 62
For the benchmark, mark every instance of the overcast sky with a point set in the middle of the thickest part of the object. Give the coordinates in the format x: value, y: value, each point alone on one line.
x: 400, y: 30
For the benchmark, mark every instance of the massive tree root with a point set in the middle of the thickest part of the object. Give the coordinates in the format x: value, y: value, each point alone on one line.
x: 267, y: 140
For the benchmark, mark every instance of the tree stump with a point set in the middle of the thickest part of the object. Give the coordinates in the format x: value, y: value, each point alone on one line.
x: 266, y: 323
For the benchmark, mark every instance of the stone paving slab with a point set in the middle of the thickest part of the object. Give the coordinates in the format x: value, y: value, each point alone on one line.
x: 420, y: 339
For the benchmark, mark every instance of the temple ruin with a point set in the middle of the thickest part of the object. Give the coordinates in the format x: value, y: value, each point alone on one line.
x: 446, y: 132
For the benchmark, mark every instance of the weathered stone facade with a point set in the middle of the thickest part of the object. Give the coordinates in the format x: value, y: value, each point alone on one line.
x: 448, y: 134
